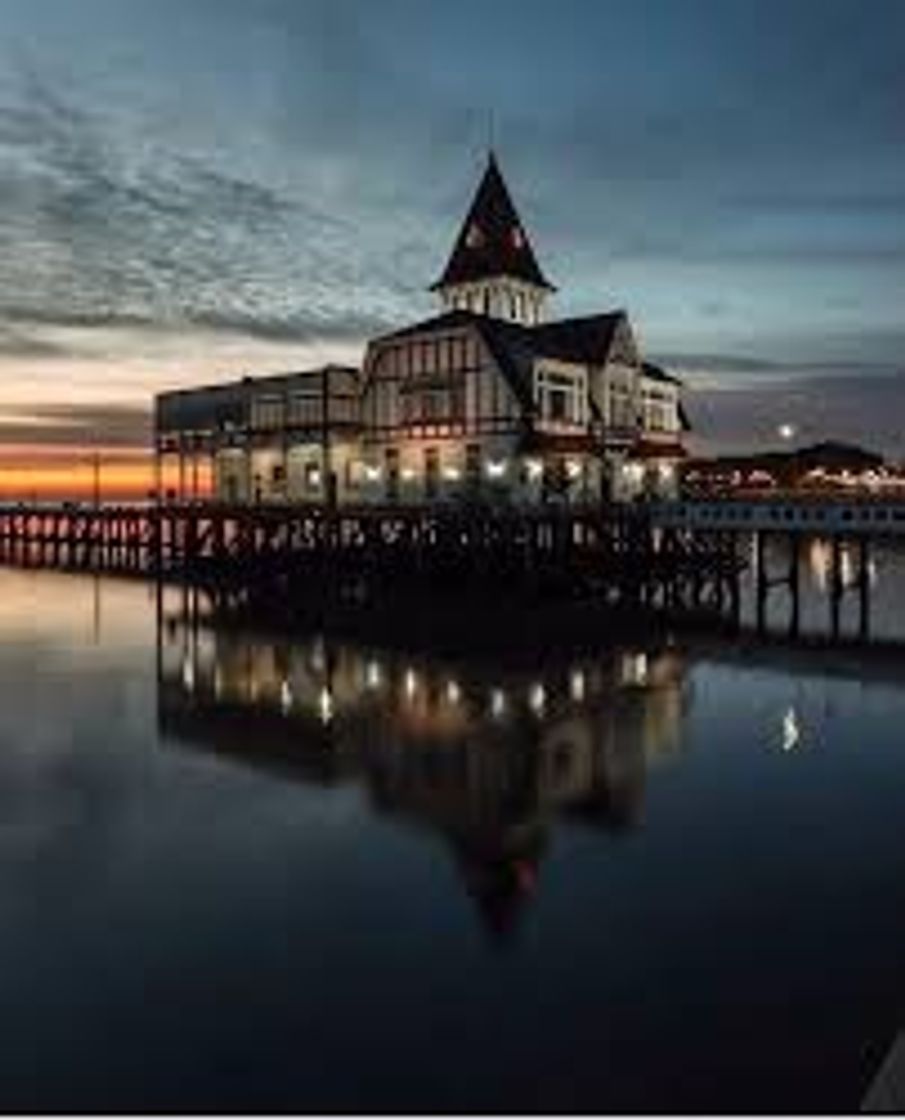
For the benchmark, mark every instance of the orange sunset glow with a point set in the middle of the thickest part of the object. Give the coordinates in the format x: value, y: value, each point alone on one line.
x: 74, y: 473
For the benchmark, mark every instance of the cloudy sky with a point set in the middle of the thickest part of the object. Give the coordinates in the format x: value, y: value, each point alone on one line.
x: 193, y: 189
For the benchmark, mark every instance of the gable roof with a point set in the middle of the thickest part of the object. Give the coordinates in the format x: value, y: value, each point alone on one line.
x: 655, y: 373
x: 509, y: 344
x: 586, y: 339
x: 514, y: 346
x: 492, y: 240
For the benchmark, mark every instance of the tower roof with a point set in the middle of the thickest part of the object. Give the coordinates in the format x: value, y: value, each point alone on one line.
x: 492, y: 240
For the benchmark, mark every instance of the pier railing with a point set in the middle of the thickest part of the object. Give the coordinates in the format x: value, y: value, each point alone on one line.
x: 794, y: 513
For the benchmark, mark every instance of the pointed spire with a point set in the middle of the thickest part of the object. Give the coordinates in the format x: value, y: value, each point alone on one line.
x: 492, y: 240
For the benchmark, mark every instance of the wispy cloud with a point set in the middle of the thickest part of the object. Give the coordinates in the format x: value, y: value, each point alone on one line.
x: 94, y: 237
x: 71, y: 426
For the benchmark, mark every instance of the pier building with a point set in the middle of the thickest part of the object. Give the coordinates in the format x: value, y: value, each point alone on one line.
x: 488, y: 401
x: 293, y: 437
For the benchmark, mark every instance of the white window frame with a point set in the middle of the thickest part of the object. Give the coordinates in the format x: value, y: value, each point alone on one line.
x: 548, y: 380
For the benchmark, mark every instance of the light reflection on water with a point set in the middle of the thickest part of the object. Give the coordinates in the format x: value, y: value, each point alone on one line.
x: 249, y: 871
x: 886, y: 579
x: 484, y: 755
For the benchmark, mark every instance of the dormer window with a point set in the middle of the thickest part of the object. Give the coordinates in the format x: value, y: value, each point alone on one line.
x: 561, y: 398
x: 518, y: 238
x: 474, y: 238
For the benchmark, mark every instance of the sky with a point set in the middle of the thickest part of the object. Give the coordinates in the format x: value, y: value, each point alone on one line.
x: 192, y: 190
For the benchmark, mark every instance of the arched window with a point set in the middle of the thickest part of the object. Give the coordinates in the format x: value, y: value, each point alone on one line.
x: 486, y: 301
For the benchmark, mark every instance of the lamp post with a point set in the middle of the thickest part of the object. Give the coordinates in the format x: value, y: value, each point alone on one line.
x: 96, y: 478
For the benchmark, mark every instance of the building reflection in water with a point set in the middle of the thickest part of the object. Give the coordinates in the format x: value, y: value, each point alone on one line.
x: 488, y: 758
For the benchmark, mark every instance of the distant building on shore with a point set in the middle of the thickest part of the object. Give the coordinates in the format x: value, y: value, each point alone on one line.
x: 487, y: 401
x: 821, y: 466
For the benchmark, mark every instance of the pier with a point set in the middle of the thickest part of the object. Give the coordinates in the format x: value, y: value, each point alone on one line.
x: 678, y: 558
x: 847, y: 523
x: 615, y: 554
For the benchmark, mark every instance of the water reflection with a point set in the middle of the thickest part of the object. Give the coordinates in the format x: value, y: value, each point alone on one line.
x: 485, y: 756
x: 885, y: 577
x: 820, y: 560
x: 294, y: 881
x: 791, y: 733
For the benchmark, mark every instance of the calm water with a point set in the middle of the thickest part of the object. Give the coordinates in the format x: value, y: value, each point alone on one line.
x: 241, y: 872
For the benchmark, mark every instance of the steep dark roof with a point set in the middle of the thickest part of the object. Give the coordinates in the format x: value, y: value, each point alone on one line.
x: 655, y: 373
x: 492, y: 240
x: 586, y: 339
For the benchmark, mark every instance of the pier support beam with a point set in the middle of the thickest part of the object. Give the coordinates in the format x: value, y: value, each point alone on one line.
x: 837, y: 587
x: 760, y: 564
x: 864, y: 588
x: 794, y: 584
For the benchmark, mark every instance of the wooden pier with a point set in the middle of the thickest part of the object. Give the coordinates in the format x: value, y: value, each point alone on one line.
x: 683, y: 558
x: 850, y: 524
x: 611, y: 554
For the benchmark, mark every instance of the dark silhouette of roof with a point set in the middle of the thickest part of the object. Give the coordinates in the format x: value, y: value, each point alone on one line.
x: 832, y: 453
x: 828, y: 455
x: 492, y: 240
x: 500, y: 874
x: 655, y: 373
x: 586, y: 339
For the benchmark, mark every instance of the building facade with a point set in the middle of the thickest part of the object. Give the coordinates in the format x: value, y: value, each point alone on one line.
x: 294, y: 437
x: 489, y: 401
